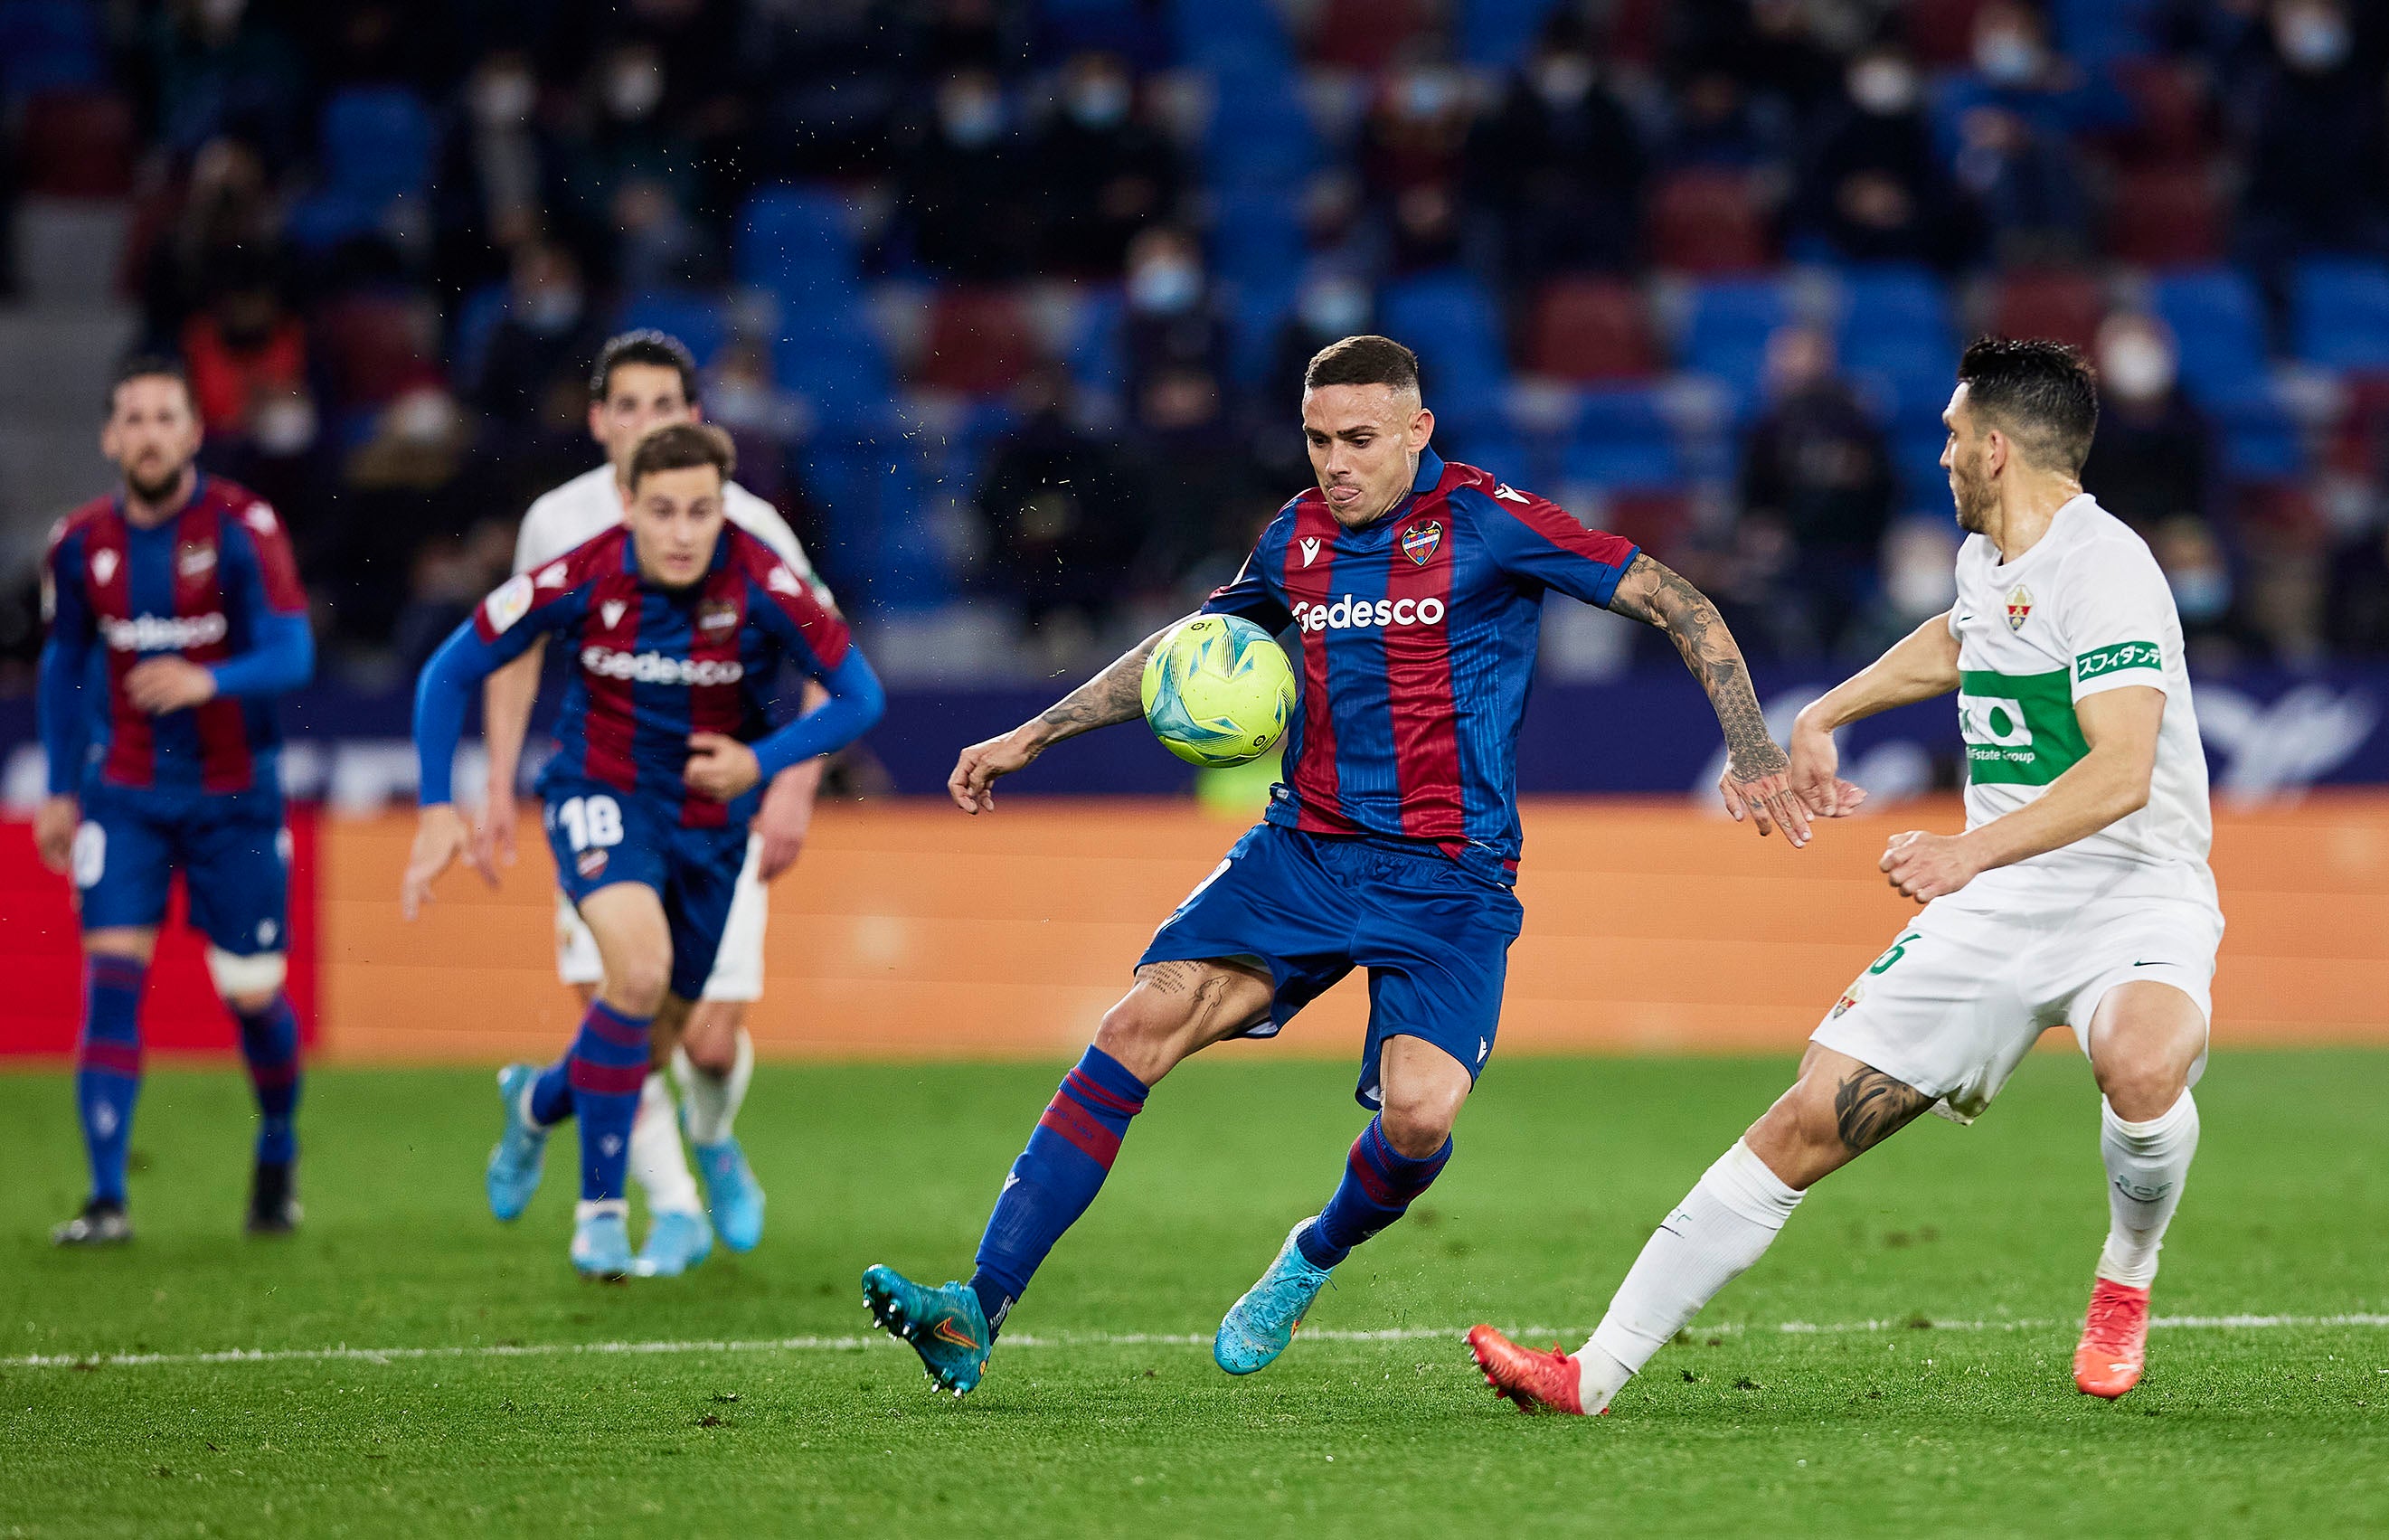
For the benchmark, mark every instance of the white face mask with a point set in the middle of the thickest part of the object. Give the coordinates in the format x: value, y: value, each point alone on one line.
x: 503, y: 99
x: 551, y: 310
x: 1166, y: 285
x: 2006, y: 57
x: 1920, y: 578
x: 2137, y: 367
x: 1883, y: 87
x: 2315, y: 40
x: 1563, y: 81
x: 1336, y: 307
x: 1098, y: 101
x: 633, y: 89
x: 284, y: 425
x: 971, y: 118
x: 2201, y: 593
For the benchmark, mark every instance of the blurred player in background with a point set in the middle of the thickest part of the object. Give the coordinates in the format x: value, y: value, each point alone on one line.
x: 176, y: 619
x: 2079, y: 892
x: 679, y: 625
x: 1415, y: 588
x: 644, y: 380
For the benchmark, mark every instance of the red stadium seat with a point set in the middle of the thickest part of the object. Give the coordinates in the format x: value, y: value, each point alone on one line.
x: 377, y: 346
x: 1653, y: 519
x: 978, y: 343
x: 2166, y: 216
x: 2175, y: 123
x: 1366, y: 34
x: 78, y: 144
x: 1587, y: 329
x: 1942, y: 31
x: 1708, y: 221
x: 2063, y: 303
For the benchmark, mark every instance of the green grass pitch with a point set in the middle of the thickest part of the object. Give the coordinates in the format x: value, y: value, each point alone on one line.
x: 1104, y: 1413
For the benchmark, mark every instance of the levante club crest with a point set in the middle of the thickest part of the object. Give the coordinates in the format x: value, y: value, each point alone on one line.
x: 2019, y: 608
x: 1420, y: 540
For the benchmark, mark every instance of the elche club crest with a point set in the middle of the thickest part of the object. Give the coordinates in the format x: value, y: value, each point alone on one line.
x: 1419, y: 542
x: 2019, y: 608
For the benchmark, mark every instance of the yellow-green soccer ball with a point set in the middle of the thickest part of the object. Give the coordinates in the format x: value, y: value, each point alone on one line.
x: 1218, y: 691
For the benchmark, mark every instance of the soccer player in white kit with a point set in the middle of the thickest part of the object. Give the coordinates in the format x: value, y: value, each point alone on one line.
x: 643, y: 381
x: 2078, y: 894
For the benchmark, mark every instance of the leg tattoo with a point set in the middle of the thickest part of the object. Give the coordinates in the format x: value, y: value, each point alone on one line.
x: 1870, y: 1107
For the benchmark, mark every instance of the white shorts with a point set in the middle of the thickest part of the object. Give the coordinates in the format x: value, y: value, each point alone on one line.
x: 737, y: 967
x: 1962, y: 993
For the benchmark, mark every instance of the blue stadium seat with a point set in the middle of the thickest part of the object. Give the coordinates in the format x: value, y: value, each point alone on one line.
x: 830, y: 357
x: 1895, y: 334
x: 870, y: 489
x: 1621, y: 438
x: 1260, y: 134
x: 50, y: 45
x: 1449, y: 320
x: 376, y: 143
x: 2218, y: 327
x: 2098, y: 33
x: 1259, y: 305
x: 1725, y: 335
x: 1129, y: 28
x: 1499, y: 33
x: 790, y: 233
x: 476, y: 320
x: 2339, y: 314
x: 1095, y: 351
x: 696, y: 319
x: 1228, y: 34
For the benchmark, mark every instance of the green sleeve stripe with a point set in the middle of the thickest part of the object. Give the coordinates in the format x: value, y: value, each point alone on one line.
x: 2112, y: 659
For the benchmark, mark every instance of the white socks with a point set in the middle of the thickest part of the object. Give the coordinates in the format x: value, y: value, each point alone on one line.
x: 2147, y: 1163
x: 710, y: 1101
x: 657, y: 1163
x: 1723, y: 1226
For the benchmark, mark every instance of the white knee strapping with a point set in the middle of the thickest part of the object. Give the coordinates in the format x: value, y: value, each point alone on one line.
x: 260, y: 974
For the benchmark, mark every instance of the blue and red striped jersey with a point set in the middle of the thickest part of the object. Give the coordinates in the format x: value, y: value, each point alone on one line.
x: 1417, y: 637
x: 651, y: 665
x: 203, y: 585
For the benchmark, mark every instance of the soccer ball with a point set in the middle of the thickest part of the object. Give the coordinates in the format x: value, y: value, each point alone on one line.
x: 1218, y: 691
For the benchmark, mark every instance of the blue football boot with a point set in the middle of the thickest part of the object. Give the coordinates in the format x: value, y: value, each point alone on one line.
x: 601, y: 1247
x: 1259, y: 1326
x: 515, y: 1164
x: 676, y: 1242
x: 731, y: 1194
x: 943, y: 1325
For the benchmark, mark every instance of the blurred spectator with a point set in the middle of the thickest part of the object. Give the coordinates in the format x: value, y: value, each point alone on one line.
x: 961, y: 188
x: 1063, y: 521
x: 1177, y: 337
x: 448, y: 578
x: 633, y: 178
x: 1103, y: 174
x: 2007, y: 125
x: 1918, y: 581
x: 1716, y: 125
x: 2312, y: 112
x: 2195, y: 569
x: 497, y: 175
x: 229, y: 223
x: 215, y: 69
x: 1411, y: 149
x: 1814, y: 466
x: 1331, y: 306
x: 1558, y: 163
x: 547, y: 336
x: 243, y: 349
x: 2151, y: 461
x: 1874, y: 190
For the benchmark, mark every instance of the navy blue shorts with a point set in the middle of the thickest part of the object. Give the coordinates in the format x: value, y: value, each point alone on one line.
x: 1310, y: 908
x: 230, y: 847
x: 601, y: 836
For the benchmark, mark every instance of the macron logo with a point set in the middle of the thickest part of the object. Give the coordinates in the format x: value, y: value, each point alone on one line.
x: 552, y: 578
x: 1508, y: 493
x: 1310, y: 549
x: 782, y: 581
x: 611, y: 610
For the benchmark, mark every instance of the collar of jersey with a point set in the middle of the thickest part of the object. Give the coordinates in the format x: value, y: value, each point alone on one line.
x: 1430, y: 472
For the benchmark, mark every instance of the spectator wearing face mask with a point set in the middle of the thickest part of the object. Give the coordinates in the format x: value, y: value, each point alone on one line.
x: 2311, y: 110
x: 1333, y: 304
x: 1815, y: 467
x: 962, y: 185
x: 633, y: 178
x: 1558, y: 166
x: 2150, y: 461
x: 2006, y: 128
x: 1874, y: 191
x: 1063, y: 520
x: 1100, y: 173
x: 496, y: 173
x: 242, y: 349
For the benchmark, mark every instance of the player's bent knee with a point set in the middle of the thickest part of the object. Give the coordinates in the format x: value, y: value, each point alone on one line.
x: 640, y: 985
x: 1418, y: 1125
x: 241, y: 980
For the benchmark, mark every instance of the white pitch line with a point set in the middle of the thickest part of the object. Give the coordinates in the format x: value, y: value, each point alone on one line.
x: 1088, y: 1338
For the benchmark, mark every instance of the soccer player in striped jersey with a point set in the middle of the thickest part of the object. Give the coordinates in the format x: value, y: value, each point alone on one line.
x: 1413, y: 588
x: 644, y: 380
x: 176, y: 619
x: 679, y: 623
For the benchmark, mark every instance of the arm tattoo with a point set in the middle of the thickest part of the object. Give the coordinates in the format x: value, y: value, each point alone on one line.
x: 1870, y: 1107
x: 1651, y: 592
x: 1114, y: 695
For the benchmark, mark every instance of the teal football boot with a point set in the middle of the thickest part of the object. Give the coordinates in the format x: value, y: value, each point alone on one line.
x: 943, y: 1325
x: 732, y: 1192
x: 521, y: 1154
x: 676, y: 1242
x: 601, y: 1247
x: 1259, y: 1326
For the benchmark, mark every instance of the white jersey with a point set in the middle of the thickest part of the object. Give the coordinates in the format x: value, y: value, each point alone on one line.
x: 2085, y: 610
x: 589, y: 505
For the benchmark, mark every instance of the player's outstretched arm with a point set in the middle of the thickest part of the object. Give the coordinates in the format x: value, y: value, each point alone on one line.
x: 1114, y: 695
x: 506, y: 699
x: 1919, y: 666
x: 1757, y: 773
x: 2110, y: 782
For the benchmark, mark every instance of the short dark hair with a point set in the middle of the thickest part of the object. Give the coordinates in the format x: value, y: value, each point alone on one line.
x: 683, y: 446
x: 657, y: 349
x: 148, y: 366
x: 2039, y: 392
x: 1364, y: 361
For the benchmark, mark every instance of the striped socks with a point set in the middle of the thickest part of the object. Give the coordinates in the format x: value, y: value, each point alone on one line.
x: 108, y: 1068
x: 1068, y: 1156
x: 269, y: 1043
x: 1380, y: 1183
x: 607, y: 1069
